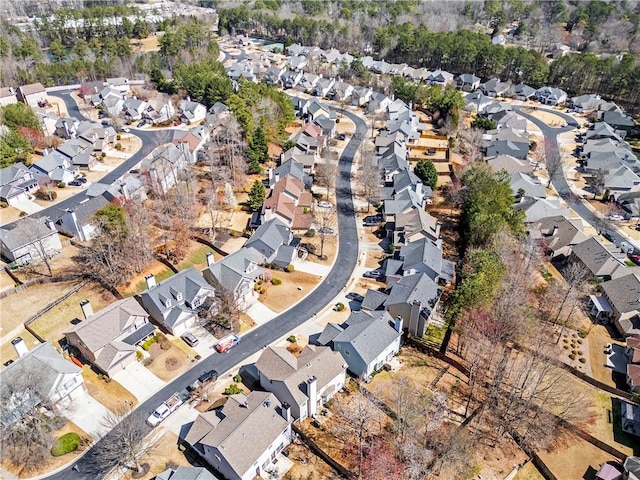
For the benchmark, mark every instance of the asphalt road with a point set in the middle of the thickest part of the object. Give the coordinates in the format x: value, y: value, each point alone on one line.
x: 560, y: 181
x: 258, y: 338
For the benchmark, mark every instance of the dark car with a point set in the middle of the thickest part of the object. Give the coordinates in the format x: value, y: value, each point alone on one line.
x: 75, y: 183
x: 341, y: 136
x: 356, y: 297
x: 82, y: 179
x: 141, y: 124
x: 635, y: 259
x: 210, y: 376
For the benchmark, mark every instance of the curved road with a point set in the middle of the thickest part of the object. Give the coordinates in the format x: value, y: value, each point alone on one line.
x: 264, y: 335
x: 559, y: 181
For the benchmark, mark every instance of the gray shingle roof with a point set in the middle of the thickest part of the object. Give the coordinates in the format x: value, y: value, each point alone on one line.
x: 187, y: 283
x: 374, y: 300
x: 597, y: 258
x: 230, y: 270
x: 186, y: 473
x: 25, y: 231
x: 272, y: 234
x: 413, y: 287
x: 624, y: 293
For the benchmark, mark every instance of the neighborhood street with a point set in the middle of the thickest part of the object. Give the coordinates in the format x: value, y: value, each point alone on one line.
x: 263, y: 335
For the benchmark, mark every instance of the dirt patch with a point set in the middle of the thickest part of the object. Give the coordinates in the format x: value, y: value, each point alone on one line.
x: 449, y: 219
x: 330, y: 249
x: 145, y: 45
x: 573, y: 461
x: 137, y: 283
x: 167, y: 364
x: 295, y: 286
x: 107, y: 391
x: 598, y: 337
x: 162, y: 455
x: 306, y: 465
x: 9, y: 214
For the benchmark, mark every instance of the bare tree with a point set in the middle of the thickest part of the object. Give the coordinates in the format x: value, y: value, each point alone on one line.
x: 598, y: 180
x: 325, y: 175
x: 369, y: 179
x: 27, y: 418
x: 469, y: 143
x: 575, y: 274
x: 126, y: 443
x: 326, y: 221
x: 554, y: 166
x: 224, y: 310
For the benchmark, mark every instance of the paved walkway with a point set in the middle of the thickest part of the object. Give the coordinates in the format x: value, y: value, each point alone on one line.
x: 88, y: 414
x: 139, y: 381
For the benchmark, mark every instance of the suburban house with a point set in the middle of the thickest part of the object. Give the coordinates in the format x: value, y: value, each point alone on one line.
x: 618, y: 120
x: 273, y: 75
x: 7, y: 96
x: 551, y: 96
x: 55, y: 166
x: 304, y: 383
x: 537, y: 208
x: 37, y: 375
x: 598, y: 259
x: 477, y: 102
x: 107, y: 339
x: 507, y: 142
x: 16, y: 182
x: 468, y: 82
x: 78, y: 220
x: 289, y: 165
x: 173, y: 304
x: 378, y: 103
x: 410, y: 224
x: 422, y: 255
x: 191, y: 112
x: 585, y: 103
x: 361, y: 95
x: 289, y: 202
x: 440, y: 77
x: 309, y: 138
x: 558, y: 235
x: 509, y: 119
x: 133, y: 109
x: 33, y: 95
x: 242, y: 439
x: 619, y: 304
x: 275, y: 242
x: 494, y: 88
x: 192, y: 141
x: 367, y: 340
x: 308, y: 82
x: 524, y: 185
x: 524, y: 92
x: 110, y: 101
x: 186, y: 473
x: 162, y: 168
x: 236, y: 273
x: 621, y: 180
x: 121, y: 84
x: 66, y: 128
x: 29, y: 239
x: 630, y: 414
x: 323, y: 86
x: 509, y: 164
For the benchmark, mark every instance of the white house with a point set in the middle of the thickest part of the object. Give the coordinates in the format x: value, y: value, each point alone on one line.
x: 33, y: 95
x: 29, y: 239
x: 191, y: 112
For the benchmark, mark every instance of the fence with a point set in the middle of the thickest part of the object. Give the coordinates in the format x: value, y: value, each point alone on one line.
x: 315, y: 448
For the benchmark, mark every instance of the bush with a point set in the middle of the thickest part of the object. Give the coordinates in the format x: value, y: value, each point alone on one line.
x: 392, y: 248
x: 259, y: 282
x: 310, y: 233
x: 61, y: 184
x: 289, y: 268
x: 572, y: 356
x: 232, y: 389
x: 67, y: 443
x: 566, y: 347
x: 263, y: 291
x: 237, y: 378
x: 118, y: 137
x: 118, y: 146
x: 4, y: 204
x: 292, y: 339
x: 103, y: 154
x: 256, y: 287
x: 147, y: 345
x: 276, y: 281
x: 139, y: 355
x: 340, y: 307
x: 582, y: 360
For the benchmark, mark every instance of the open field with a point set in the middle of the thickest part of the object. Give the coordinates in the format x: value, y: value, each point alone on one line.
x: 145, y: 45
x: 330, y: 248
x: 280, y: 297
x: 7, y: 352
x: 197, y: 257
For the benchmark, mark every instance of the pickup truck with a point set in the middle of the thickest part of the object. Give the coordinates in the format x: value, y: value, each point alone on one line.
x: 164, y: 410
x: 227, y: 343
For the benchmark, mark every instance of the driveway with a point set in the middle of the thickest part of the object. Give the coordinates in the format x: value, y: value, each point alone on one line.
x: 88, y: 414
x: 139, y: 381
x: 260, y: 313
x: 312, y: 268
x: 27, y: 206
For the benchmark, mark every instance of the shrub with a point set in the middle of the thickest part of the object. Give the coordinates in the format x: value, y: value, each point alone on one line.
x: 263, y: 291
x: 118, y: 146
x: 4, y: 204
x: 61, y: 184
x: 276, y: 281
x: 139, y: 355
x: 237, y: 378
x: 232, y: 389
x: 572, y: 356
x: 103, y: 154
x: 161, y: 337
x: 340, y: 307
x: 311, y: 233
x: 289, y: 268
x: 580, y: 353
x: 67, y: 443
x: 305, y: 210
x: 292, y: 339
x: 147, y: 345
x: 392, y: 248
x: 579, y: 341
x: 232, y: 233
x: 118, y: 137
x: 582, y: 360
x: 566, y: 347
x: 259, y: 282
x: 256, y: 287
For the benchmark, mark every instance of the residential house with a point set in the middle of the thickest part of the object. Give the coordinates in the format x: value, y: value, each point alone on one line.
x: 7, y: 96
x: 47, y: 121
x: 121, y: 84
x: 413, y: 298
x: 16, y: 182
x: 631, y: 467
x: 327, y: 125
x: 316, y: 110
x: 601, y: 130
x: 495, y: 108
x: 524, y: 185
x: 97, y: 136
x: 291, y: 78
x: 441, y: 77
x: 241, y: 69
x: 509, y: 164
x: 559, y: 50
x: 599, y: 261
x: 55, y: 166
x: 510, y: 120
x: 324, y: 86
x: 558, y: 235
x: 619, y: 303
x: 163, y: 167
x: 186, y: 473
x: 309, y: 138
x: 273, y: 75
x: 274, y: 240
x: 477, y: 102
x: 78, y: 151
x: 173, y: 304
x: 468, y: 82
x: 296, y: 63
x: 536, y: 208
x: 242, y: 439
x: 78, y: 220
x: 29, y: 239
x: 551, y: 96
x: 192, y: 142
x: 290, y: 166
x: 341, y: 91
x: 524, y: 92
x: 400, y: 203
x: 361, y: 95
x: 111, y: 101
x: 34, y: 95
x: 378, y: 103
x: 381, y: 67
x: 191, y: 112
x: 289, y: 202
x: 410, y: 225
x: 507, y: 142
x: 108, y: 338
x: 367, y: 340
x: 621, y: 180
x: 422, y: 255
x: 308, y: 82
x: 306, y: 382
x: 39, y: 375
x: 494, y: 88
x: 66, y: 127
x: 133, y: 109
x: 630, y: 203
x: 236, y: 273
x: 585, y: 103
x: 630, y: 415
x: 618, y: 120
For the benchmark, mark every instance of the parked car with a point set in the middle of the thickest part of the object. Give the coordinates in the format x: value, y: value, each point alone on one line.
x: 324, y: 204
x: 206, y: 377
x: 190, y: 339
x: 141, y: 124
x: 341, y: 136
x: 75, y: 183
x: 372, y: 220
x: 226, y: 343
x: 326, y: 230
x: 635, y: 259
x: 356, y: 297
x: 82, y: 179
x: 376, y: 274
x: 609, y: 235
x: 164, y: 410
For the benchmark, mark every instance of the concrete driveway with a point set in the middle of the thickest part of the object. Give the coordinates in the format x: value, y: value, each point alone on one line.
x: 27, y: 206
x: 139, y: 381
x: 88, y: 413
x: 260, y: 313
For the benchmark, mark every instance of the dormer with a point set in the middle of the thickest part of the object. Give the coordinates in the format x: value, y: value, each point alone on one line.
x: 176, y: 294
x: 166, y: 301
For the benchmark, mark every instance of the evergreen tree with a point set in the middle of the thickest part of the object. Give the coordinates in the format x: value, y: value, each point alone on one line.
x: 257, y: 195
x: 258, y: 147
x: 426, y: 171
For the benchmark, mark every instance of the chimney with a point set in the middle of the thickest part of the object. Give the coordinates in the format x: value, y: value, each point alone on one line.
x: 49, y: 223
x: 285, y: 409
x: 87, y: 309
x: 312, y: 393
x: 416, y: 306
x: 397, y: 324
x: 210, y: 259
x: 150, y: 280
x: 20, y: 347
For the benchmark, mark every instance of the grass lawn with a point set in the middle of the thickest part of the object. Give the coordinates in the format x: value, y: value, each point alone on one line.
x: 280, y: 297
x: 167, y: 364
x: 197, y: 257
x: 528, y: 472
x: 137, y: 284
x: 110, y: 394
x: 435, y: 334
x: 52, y: 324
x: 7, y: 352
x: 573, y: 461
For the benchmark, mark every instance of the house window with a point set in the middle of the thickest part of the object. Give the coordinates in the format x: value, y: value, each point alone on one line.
x: 167, y: 303
x: 195, y: 303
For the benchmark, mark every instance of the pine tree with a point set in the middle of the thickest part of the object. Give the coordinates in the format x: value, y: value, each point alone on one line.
x: 257, y: 195
x: 426, y: 171
x: 258, y: 147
